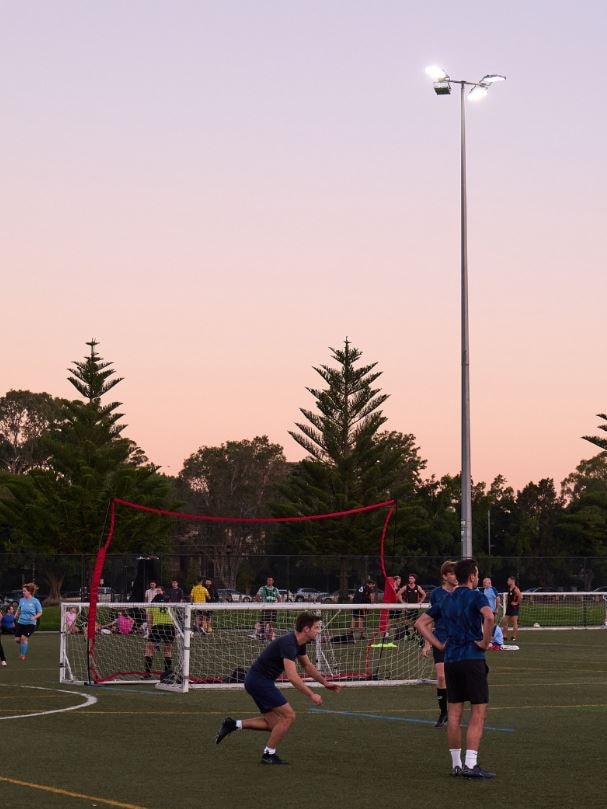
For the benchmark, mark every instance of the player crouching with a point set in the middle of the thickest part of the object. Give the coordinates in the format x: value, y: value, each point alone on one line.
x: 277, y: 715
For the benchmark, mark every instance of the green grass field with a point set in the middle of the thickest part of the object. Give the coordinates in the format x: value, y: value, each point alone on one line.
x: 140, y: 748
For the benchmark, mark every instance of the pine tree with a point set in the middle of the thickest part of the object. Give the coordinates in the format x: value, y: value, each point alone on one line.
x: 63, y: 508
x: 350, y: 462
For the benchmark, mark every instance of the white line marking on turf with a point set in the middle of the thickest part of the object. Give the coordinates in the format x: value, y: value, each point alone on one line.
x: 388, y: 718
x: 88, y: 700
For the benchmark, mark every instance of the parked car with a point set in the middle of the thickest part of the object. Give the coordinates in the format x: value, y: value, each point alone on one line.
x: 12, y: 597
x: 337, y: 597
x: 286, y: 595
x: 310, y: 594
x: 602, y: 589
x: 229, y: 594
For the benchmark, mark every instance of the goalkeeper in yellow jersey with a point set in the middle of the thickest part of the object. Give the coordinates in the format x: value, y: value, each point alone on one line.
x: 161, y: 632
x: 276, y: 715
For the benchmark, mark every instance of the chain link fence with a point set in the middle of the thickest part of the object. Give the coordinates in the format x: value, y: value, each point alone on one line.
x: 68, y: 576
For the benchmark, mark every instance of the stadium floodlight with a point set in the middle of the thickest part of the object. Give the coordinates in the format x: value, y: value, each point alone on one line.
x: 491, y: 78
x: 478, y: 92
x: 436, y: 73
x: 442, y: 86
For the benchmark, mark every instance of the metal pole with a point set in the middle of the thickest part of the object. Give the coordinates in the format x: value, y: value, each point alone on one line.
x: 466, y: 505
x: 489, y: 532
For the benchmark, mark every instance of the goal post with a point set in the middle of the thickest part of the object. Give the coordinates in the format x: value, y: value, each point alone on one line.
x: 575, y: 610
x: 368, y: 644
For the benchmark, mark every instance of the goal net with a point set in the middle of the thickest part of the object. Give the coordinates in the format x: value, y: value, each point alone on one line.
x: 562, y: 610
x: 90, y: 636
x: 213, y: 645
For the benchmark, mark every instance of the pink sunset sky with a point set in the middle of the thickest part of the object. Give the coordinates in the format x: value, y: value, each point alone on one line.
x: 219, y: 191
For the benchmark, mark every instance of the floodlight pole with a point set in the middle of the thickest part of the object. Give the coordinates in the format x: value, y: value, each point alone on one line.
x: 442, y: 86
x: 466, y: 472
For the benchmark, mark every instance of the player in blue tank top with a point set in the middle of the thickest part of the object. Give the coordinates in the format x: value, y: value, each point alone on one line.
x: 468, y: 622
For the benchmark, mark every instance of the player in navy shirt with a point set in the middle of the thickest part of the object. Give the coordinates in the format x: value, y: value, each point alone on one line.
x: 448, y: 585
x: 280, y: 656
x: 468, y: 623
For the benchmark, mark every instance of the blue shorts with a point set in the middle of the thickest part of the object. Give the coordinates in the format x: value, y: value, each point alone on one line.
x: 264, y: 692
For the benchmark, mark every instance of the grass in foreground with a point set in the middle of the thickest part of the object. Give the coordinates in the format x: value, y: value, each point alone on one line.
x: 139, y: 747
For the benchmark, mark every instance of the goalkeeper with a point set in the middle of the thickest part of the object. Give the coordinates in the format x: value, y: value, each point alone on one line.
x: 161, y: 632
x: 279, y: 657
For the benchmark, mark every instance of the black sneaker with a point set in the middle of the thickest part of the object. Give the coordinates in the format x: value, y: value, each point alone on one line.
x: 441, y: 721
x: 227, y: 726
x: 476, y: 772
x: 272, y: 758
x: 457, y: 770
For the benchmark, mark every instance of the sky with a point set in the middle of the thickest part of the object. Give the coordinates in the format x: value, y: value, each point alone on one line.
x: 220, y: 192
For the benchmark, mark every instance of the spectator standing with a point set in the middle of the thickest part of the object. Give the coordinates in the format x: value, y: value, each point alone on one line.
x: 213, y: 599
x: 200, y: 595
x: 151, y: 592
x: 8, y: 621
x: 493, y: 597
x: 175, y: 594
x: 265, y: 628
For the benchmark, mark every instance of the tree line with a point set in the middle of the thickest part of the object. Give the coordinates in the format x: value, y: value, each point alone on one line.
x: 62, y: 461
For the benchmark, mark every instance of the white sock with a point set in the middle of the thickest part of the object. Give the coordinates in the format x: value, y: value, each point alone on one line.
x: 239, y: 724
x: 270, y: 750
x: 471, y: 757
x: 456, y: 757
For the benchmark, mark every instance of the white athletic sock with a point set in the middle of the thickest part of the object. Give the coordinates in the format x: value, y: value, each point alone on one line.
x: 239, y: 724
x: 270, y: 750
x: 471, y: 758
x: 456, y: 757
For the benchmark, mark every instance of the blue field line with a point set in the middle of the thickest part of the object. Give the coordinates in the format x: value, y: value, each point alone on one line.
x: 387, y: 718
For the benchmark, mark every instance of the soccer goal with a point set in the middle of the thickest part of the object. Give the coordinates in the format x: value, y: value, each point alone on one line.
x: 213, y: 645
x: 563, y: 610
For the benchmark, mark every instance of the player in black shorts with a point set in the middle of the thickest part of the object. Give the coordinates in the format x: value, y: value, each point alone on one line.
x: 161, y: 632
x: 276, y: 715
x: 365, y: 594
x: 468, y: 623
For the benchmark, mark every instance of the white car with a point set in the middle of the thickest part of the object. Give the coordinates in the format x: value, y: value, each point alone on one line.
x: 229, y: 594
x: 310, y: 594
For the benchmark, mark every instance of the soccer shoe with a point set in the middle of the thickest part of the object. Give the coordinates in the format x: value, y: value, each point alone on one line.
x: 227, y: 726
x: 476, y: 772
x: 21, y: 657
x: 272, y: 758
x: 4, y: 662
x: 441, y: 721
x: 456, y: 771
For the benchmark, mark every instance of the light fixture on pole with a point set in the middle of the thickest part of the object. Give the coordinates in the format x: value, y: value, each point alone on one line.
x: 442, y: 86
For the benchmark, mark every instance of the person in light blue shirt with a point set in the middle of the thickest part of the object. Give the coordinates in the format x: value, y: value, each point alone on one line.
x: 27, y: 615
x: 493, y: 597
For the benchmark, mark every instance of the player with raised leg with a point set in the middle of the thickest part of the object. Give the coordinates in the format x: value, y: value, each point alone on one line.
x: 277, y: 715
x: 468, y: 621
